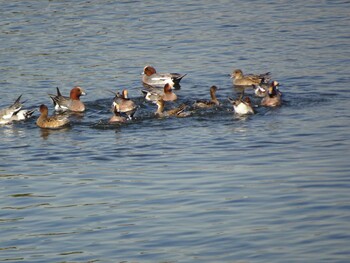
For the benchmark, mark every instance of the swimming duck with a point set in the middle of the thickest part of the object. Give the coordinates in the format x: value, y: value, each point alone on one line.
x: 117, y: 118
x: 208, y: 103
x: 262, y: 91
x: 276, y: 84
x: 151, y: 78
x: 273, y: 97
x: 242, y: 106
x: 167, y: 93
x: 71, y: 103
x: 259, y: 91
x: 123, y: 104
x: 14, y: 112
x: 178, y: 112
x: 247, y: 80
x: 22, y: 115
x: 53, y: 122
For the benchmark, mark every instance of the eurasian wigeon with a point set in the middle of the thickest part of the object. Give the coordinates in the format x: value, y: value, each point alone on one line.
x: 71, y: 103
x: 14, y: 112
x: 117, y: 118
x: 166, y: 93
x: 259, y: 90
x: 53, y: 122
x: 262, y: 91
x: 208, y: 103
x: 151, y: 78
x: 123, y: 104
x: 273, y: 97
x: 247, y: 80
x: 276, y: 84
x: 178, y: 111
x: 242, y: 106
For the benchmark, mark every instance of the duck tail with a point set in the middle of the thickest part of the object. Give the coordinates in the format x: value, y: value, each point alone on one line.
x: 181, y: 108
x: 17, y: 100
x: 231, y: 99
x: 266, y: 77
x: 180, y: 77
x: 17, y: 105
x: 58, y: 92
x: 144, y: 92
x: 29, y: 113
x: 54, y: 98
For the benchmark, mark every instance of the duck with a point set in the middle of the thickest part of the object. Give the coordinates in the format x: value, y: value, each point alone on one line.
x: 259, y: 90
x: 22, y: 115
x: 15, y: 113
x: 71, y: 103
x: 208, y: 103
x: 247, y: 80
x: 117, y: 118
x: 123, y: 104
x: 276, y: 84
x: 178, y: 111
x: 273, y: 98
x: 167, y: 93
x: 242, y: 106
x: 52, y: 122
x: 150, y: 77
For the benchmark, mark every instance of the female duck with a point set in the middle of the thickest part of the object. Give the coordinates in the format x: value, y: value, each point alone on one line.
x: 208, y: 104
x: 178, y: 112
x: 117, y: 118
x: 53, y: 122
x: 247, y: 80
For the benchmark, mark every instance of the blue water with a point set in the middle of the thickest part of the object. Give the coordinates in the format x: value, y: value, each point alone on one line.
x: 272, y: 187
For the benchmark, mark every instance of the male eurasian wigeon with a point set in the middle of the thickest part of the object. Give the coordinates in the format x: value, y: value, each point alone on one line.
x: 242, y: 106
x: 151, y: 78
x: 273, y: 97
x: 178, y: 111
x: 208, y: 103
x: 71, y: 103
x: 53, y: 122
x: 14, y: 112
x: 166, y: 93
x: 247, y: 80
x: 123, y: 104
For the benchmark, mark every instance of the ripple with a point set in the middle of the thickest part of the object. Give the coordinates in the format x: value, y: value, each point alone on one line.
x: 212, y: 187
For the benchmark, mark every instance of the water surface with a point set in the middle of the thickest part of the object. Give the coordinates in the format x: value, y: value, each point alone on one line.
x: 272, y: 187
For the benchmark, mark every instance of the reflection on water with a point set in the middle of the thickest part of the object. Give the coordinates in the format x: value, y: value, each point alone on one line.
x: 212, y: 187
x: 44, y: 133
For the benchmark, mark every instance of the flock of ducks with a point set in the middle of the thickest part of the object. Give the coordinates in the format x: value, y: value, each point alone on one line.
x: 158, y: 89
